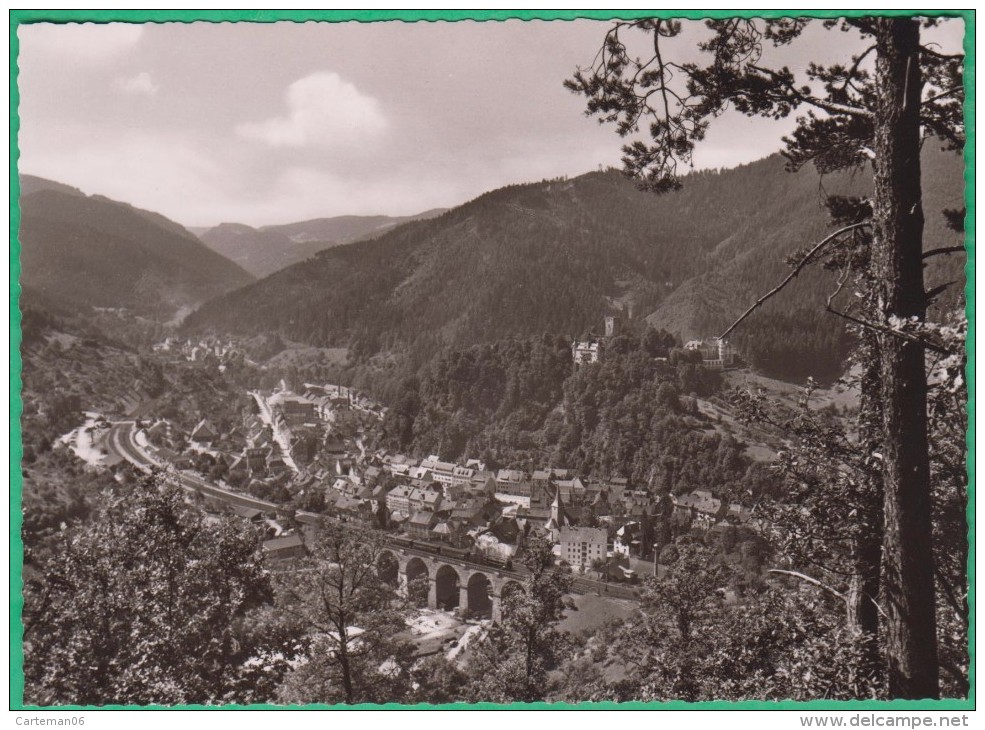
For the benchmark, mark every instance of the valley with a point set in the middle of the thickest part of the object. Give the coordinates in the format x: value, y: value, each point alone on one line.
x: 537, y: 370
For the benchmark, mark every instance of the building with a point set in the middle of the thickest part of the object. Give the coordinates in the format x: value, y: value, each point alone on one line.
x: 283, y: 548
x: 425, y: 500
x: 700, y: 507
x: 461, y: 476
x: 238, y: 469
x: 442, y: 472
x: 558, y: 518
x: 295, y: 409
x: 716, y: 353
x: 581, y: 546
x: 256, y: 460
x: 204, y: 432
x: 420, y: 524
x: 573, y: 491
x: 612, y: 326
x: 482, y: 482
x: 587, y: 351
x: 513, y: 486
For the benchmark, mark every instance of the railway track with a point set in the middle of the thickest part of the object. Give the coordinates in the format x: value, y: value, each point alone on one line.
x: 121, y: 440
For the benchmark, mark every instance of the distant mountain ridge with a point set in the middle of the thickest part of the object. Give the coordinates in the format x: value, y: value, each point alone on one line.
x: 267, y: 249
x: 556, y: 256
x: 78, y: 251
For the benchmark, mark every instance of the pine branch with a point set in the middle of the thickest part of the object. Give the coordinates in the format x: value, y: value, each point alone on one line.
x: 829, y: 106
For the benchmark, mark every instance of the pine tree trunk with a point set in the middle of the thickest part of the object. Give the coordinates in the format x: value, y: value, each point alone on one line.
x: 863, y: 613
x: 911, y: 636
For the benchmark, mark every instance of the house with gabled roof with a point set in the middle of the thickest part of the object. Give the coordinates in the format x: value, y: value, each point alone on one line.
x: 738, y: 513
x: 420, y: 523
x: 429, y: 462
x: 204, y: 432
x: 513, y: 486
x: 541, y: 477
x: 510, y: 476
x: 308, y: 519
x: 281, y: 549
x: 482, y: 482
x: 238, y: 467
x: 442, y: 532
x: 351, y: 508
x: 572, y: 490
x: 333, y: 446
x: 468, y: 511
x: 162, y: 433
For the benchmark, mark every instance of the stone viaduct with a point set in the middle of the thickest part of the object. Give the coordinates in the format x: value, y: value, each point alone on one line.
x: 452, y: 583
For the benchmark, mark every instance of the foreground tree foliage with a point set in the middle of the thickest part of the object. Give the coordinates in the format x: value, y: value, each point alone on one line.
x: 857, y: 112
x: 349, y: 618
x: 514, y: 659
x: 830, y: 527
x: 694, y: 642
x: 144, y: 605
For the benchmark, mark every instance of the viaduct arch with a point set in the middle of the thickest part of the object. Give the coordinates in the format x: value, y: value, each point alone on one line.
x: 476, y: 591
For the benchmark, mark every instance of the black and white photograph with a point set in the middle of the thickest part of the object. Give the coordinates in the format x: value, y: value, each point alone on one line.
x: 547, y: 362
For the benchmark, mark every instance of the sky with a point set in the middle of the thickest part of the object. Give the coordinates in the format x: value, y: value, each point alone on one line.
x: 265, y: 124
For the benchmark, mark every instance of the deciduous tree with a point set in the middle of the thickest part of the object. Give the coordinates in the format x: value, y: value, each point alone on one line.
x: 513, y: 661
x: 350, y: 618
x: 142, y: 605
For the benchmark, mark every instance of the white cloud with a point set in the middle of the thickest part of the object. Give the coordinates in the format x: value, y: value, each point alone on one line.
x: 322, y: 111
x: 141, y: 84
x: 79, y: 42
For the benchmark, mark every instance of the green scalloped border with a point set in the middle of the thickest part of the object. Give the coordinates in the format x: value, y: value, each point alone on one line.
x: 22, y: 17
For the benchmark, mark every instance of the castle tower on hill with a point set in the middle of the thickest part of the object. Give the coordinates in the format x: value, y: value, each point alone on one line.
x: 589, y: 351
x: 615, y: 324
x: 611, y: 326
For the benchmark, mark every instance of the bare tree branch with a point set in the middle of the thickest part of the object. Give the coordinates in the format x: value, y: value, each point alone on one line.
x: 829, y: 589
x: 793, y: 274
x: 942, y: 251
x: 886, y: 330
x: 946, y: 92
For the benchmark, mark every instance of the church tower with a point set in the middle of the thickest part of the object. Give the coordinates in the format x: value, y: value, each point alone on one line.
x: 558, y: 517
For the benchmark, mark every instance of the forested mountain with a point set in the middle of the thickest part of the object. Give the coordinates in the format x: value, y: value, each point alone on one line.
x: 792, y: 334
x: 557, y: 255
x: 90, y: 251
x: 523, y: 404
x: 32, y: 184
x: 267, y: 249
